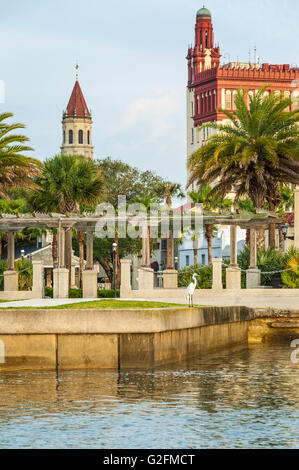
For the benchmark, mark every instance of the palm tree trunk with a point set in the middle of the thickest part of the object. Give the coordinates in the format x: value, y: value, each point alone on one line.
x: 54, y: 248
x: 260, y: 239
x: 81, y: 242
x: 248, y: 237
x: 281, y: 239
x: 107, y: 268
x: 195, y: 250
x: 209, y: 237
x: 272, y: 236
x: 272, y: 228
x: 117, y: 262
x: 170, y: 251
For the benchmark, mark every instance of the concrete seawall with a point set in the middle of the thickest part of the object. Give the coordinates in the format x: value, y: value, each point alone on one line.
x: 119, y: 339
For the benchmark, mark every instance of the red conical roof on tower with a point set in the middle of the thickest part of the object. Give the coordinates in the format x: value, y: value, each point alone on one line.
x: 77, y: 105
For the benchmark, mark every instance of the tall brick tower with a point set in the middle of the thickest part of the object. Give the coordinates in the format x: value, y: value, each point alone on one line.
x: 77, y: 125
x: 212, y: 86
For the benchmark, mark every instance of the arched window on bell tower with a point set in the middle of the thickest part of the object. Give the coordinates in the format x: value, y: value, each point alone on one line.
x: 80, y: 137
x: 88, y: 137
x: 71, y: 137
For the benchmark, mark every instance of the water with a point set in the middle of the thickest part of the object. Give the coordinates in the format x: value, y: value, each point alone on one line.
x: 237, y: 398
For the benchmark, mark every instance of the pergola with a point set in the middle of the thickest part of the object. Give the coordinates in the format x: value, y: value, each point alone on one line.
x: 12, y: 223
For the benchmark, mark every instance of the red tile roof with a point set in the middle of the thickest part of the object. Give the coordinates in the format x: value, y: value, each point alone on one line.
x: 290, y: 217
x: 77, y: 103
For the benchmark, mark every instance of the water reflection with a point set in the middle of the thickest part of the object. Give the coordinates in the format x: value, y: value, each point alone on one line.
x: 241, y: 397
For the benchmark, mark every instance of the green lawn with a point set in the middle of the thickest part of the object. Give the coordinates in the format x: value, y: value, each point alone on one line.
x: 106, y: 304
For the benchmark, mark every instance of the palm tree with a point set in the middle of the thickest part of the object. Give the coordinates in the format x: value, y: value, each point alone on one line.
x: 205, y: 198
x: 169, y: 191
x: 253, y: 154
x: 16, y: 169
x: 69, y: 184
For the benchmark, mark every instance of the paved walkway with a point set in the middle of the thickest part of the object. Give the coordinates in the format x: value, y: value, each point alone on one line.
x: 289, y: 303
x: 43, y: 302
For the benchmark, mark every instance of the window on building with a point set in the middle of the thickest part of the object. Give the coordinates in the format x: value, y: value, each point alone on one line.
x: 71, y: 137
x: 163, y: 245
x: 187, y: 260
x: 206, y: 39
x: 228, y: 100
x: 64, y: 137
x: 192, y: 109
x: 192, y: 135
x: 88, y: 137
x: 203, y: 259
x: 80, y: 137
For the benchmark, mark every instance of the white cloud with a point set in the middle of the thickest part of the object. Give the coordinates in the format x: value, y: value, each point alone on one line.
x: 153, y: 113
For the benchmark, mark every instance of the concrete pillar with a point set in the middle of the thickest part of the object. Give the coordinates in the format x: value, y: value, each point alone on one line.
x: 11, y: 281
x: 296, y: 220
x: 89, y: 276
x: 11, y: 251
x: 38, y: 279
x: 233, y: 273
x: 233, y: 245
x: 145, y: 278
x: 170, y: 279
x: 90, y: 284
x: 61, y: 247
x: 146, y: 252
x: 73, y: 277
x: 253, y: 252
x: 60, y: 283
x: 253, y: 274
x: 68, y: 247
x: 11, y: 278
x: 89, y: 251
x: 217, y: 273
x: 125, y: 277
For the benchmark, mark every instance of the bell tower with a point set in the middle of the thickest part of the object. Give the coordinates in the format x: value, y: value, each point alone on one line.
x: 77, y: 125
x: 204, y: 55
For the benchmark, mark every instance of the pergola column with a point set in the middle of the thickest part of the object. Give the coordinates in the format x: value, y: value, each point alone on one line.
x: 296, y: 218
x: 170, y: 275
x: 61, y: 274
x: 68, y: 251
x: 89, y: 277
x: 233, y: 272
x: 253, y: 274
x: 11, y: 279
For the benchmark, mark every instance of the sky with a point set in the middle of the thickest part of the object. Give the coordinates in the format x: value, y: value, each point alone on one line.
x: 132, y: 67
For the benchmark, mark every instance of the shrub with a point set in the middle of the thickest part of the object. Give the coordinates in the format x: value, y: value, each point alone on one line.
x: 25, y: 278
x: 3, y: 267
x: 290, y: 279
x: 205, y: 276
x: 49, y: 292
x: 267, y: 260
x: 75, y: 294
x: 107, y: 294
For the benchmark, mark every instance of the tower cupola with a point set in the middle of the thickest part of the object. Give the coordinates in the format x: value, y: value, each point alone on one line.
x: 77, y: 124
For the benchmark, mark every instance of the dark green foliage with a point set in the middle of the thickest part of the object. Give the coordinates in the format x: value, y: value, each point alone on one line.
x: 25, y: 278
x: 3, y: 267
x: 107, y: 294
x: 75, y: 293
x: 49, y: 292
x: 205, y: 279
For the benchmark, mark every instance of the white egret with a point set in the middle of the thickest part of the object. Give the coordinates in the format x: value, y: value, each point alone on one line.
x: 191, y: 289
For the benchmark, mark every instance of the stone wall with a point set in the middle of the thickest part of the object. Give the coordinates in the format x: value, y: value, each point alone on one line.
x: 120, y: 339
